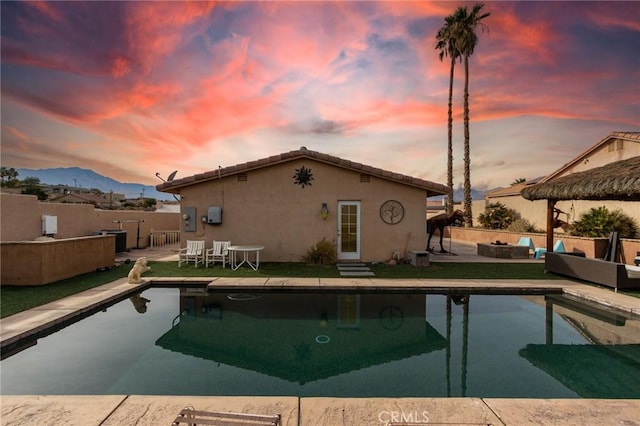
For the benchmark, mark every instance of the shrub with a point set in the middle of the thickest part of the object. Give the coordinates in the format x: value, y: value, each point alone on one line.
x: 322, y: 253
x: 34, y: 190
x: 600, y: 222
x: 498, y: 216
x: 521, y: 225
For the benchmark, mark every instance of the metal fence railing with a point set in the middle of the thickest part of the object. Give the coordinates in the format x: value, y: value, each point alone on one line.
x: 164, y: 238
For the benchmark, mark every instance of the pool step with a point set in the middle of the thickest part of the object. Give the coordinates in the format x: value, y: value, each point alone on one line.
x: 354, y: 270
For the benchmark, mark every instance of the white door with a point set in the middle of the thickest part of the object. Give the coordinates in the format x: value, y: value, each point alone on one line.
x: 349, y: 230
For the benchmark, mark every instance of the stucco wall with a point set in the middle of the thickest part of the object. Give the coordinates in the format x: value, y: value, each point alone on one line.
x: 21, y: 220
x: 536, y: 211
x: 269, y: 209
x: 43, y: 262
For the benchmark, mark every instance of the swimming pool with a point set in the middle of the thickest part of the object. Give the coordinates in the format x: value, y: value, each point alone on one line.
x: 187, y: 341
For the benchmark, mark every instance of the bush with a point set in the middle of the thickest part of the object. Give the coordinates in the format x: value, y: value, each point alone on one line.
x: 322, y: 253
x: 600, y: 222
x: 521, y: 225
x: 498, y: 216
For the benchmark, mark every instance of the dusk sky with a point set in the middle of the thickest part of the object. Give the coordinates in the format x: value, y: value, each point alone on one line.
x: 129, y: 89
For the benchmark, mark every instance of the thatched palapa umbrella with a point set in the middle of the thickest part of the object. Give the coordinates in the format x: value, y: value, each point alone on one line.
x: 618, y: 181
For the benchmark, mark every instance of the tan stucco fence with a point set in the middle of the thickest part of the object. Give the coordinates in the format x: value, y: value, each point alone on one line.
x: 591, y: 247
x: 21, y: 220
x: 44, y: 262
x: 78, y: 246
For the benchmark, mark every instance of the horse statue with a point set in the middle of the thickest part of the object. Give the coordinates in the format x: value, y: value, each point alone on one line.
x: 559, y: 223
x: 439, y: 222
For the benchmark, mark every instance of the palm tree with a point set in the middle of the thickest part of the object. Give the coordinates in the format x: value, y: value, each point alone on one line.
x: 445, y: 44
x: 518, y: 181
x: 8, y: 176
x: 466, y: 42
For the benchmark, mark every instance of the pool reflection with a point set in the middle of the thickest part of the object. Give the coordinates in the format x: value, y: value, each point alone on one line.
x: 301, y: 338
x: 305, y: 338
x: 609, y: 365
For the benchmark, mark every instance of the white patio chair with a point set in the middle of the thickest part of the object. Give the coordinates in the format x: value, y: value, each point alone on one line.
x: 218, y: 253
x: 193, y: 252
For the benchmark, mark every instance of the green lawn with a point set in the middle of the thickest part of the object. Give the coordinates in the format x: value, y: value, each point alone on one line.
x: 14, y: 299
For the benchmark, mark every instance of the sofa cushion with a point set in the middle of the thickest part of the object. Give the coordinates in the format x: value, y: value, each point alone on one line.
x: 633, y: 271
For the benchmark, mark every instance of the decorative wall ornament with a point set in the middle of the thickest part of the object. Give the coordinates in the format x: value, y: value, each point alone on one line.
x: 391, y: 212
x: 303, y: 177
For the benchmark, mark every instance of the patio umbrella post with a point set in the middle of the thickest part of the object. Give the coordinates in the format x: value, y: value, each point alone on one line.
x: 550, y: 208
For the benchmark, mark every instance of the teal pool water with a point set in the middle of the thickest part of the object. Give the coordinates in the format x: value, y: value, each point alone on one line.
x: 185, y: 341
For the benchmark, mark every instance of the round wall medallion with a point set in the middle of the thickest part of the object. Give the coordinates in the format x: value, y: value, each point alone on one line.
x: 391, y: 212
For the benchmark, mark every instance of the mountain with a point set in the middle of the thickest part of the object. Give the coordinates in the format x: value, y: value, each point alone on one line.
x: 458, y: 195
x: 83, y: 178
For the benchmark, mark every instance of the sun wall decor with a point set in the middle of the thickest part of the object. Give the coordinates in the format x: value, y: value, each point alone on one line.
x: 303, y: 176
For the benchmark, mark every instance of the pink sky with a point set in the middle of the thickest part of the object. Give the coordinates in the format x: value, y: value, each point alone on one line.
x: 129, y: 89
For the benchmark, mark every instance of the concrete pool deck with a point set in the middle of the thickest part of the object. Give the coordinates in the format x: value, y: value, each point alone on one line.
x: 124, y: 410
x: 162, y: 410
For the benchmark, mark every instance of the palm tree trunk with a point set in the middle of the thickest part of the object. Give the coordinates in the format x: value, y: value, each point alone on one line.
x: 467, y: 160
x: 450, y: 142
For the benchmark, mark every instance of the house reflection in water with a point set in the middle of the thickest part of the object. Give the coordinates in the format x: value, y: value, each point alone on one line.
x: 302, y: 337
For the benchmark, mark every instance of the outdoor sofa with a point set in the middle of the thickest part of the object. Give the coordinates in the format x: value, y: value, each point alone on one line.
x: 610, y: 274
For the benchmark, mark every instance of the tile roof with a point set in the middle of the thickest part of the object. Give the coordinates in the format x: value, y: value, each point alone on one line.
x: 510, y: 190
x: 174, y: 186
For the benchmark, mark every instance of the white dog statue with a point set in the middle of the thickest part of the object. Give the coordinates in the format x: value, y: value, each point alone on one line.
x: 138, y: 269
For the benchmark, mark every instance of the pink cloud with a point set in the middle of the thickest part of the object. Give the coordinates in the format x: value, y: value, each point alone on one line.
x: 153, y: 30
x: 627, y: 16
x: 46, y: 9
x: 15, y: 132
x: 515, y: 37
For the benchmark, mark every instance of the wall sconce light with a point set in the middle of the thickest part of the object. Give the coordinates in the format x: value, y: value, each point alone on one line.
x: 324, y: 212
x: 203, y: 219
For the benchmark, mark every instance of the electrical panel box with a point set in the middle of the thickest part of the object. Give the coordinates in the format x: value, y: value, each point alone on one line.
x: 49, y: 225
x: 214, y: 215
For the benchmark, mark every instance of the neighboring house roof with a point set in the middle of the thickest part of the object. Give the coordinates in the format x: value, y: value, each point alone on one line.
x: 512, y: 190
x: 174, y: 186
x: 630, y: 136
x: 75, y: 198
x: 100, y: 201
x: 435, y: 205
x: 619, y: 180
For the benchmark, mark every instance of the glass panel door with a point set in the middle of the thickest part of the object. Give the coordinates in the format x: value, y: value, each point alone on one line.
x: 349, y: 230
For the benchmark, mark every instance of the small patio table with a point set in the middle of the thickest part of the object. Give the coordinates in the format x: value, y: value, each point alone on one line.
x: 233, y: 250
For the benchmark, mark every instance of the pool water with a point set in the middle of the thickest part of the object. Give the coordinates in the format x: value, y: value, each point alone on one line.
x: 185, y: 341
